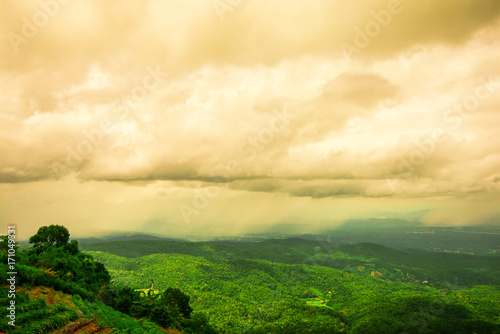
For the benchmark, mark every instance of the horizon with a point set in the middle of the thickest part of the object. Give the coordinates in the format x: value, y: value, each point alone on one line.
x: 286, y: 231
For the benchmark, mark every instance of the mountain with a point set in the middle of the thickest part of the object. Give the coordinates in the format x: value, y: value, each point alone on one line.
x: 434, y: 267
x: 124, y: 237
x: 278, y: 286
x: 292, y: 285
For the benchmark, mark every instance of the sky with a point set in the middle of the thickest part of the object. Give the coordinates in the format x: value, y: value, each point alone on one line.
x: 224, y: 117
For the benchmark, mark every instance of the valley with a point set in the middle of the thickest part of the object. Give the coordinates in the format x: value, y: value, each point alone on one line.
x: 269, y: 286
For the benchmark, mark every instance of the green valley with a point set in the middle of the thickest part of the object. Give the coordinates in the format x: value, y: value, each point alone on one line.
x: 283, y: 286
x: 298, y: 286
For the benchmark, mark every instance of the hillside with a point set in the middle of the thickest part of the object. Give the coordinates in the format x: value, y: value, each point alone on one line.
x: 53, y: 287
x: 275, y: 286
x: 249, y: 295
x: 397, y: 265
x: 46, y: 310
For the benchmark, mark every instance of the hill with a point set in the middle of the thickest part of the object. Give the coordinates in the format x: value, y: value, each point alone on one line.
x: 274, y: 286
x: 259, y: 296
x: 398, y: 265
x: 397, y: 233
x: 53, y: 287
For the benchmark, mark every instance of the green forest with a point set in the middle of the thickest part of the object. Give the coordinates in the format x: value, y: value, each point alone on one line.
x: 273, y: 286
x: 60, y: 289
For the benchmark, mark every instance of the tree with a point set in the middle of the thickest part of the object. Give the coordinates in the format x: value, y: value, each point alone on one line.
x: 72, y: 247
x: 173, y: 297
x: 199, y: 324
x: 124, y: 299
x: 53, y: 235
x: 162, y: 315
x: 107, y: 294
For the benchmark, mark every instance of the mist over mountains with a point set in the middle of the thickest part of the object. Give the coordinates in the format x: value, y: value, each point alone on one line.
x: 398, y: 234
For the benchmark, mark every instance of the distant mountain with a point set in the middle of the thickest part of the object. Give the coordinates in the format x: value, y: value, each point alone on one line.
x: 479, y: 240
x: 435, y: 267
x: 372, y: 224
x: 88, y: 240
x: 393, y: 233
x: 124, y: 237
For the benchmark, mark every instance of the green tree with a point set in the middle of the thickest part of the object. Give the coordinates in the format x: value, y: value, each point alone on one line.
x: 125, y: 299
x: 175, y: 298
x: 53, y: 235
x: 199, y: 324
x: 72, y: 247
x: 162, y: 315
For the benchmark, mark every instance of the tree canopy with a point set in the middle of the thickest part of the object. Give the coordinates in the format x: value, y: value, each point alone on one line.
x: 53, y: 235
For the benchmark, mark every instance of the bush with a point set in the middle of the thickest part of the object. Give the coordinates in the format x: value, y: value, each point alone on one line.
x: 163, y: 315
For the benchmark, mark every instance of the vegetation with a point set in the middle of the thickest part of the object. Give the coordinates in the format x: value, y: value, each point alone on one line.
x: 241, y: 294
x: 408, y: 265
x: 35, y: 316
x: 56, y: 263
x: 275, y: 286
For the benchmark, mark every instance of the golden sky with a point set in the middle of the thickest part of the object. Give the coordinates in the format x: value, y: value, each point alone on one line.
x: 222, y: 117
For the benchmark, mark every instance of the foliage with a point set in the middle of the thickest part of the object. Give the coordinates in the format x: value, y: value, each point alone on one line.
x: 35, y: 316
x: 168, y: 309
x: 276, y: 286
x: 247, y: 295
x: 56, y: 263
x: 408, y: 265
x: 175, y: 298
x: 53, y: 235
x: 109, y: 317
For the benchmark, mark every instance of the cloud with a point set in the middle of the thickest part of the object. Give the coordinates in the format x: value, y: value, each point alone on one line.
x: 181, y: 36
x: 259, y: 102
x: 364, y: 90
